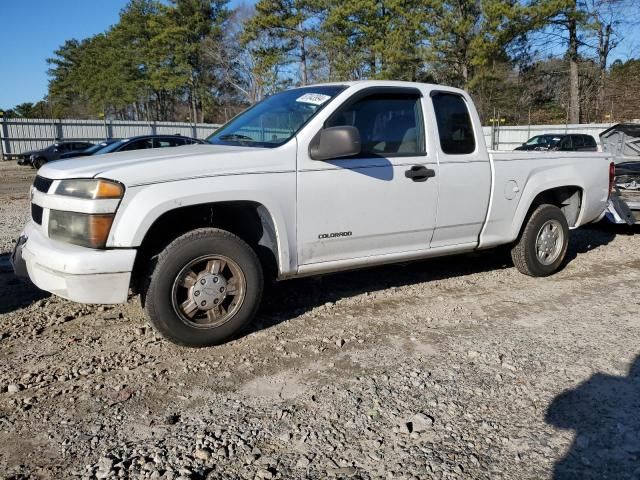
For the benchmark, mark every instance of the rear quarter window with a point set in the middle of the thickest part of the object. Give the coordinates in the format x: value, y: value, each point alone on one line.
x: 454, y: 123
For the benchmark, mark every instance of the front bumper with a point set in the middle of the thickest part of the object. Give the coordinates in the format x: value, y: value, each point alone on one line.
x: 76, y: 273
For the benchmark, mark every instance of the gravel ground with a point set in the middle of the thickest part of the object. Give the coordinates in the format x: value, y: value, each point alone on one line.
x: 453, y: 368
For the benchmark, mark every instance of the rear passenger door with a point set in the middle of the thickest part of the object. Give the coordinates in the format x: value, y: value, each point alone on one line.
x: 566, y: 144
x: 464, y: 171
x: 578, y: 143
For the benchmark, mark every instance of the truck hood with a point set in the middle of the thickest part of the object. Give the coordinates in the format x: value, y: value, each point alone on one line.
x: 156, y: 165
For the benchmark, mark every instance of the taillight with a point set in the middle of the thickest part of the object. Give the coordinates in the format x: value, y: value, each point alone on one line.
x: 612, y: 177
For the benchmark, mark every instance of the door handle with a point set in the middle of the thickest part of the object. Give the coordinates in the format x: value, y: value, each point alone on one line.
x: 419, y: 173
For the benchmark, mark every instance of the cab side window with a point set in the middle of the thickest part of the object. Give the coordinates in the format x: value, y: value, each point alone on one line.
x: 390, y: 124
x: 454, y: 124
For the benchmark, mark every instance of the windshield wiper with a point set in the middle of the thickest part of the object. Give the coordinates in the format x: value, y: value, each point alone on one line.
x: 235, y: 136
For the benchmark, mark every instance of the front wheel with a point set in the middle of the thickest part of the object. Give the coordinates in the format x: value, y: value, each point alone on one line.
x: 206, y: 285
x: 542, y: 246
x: 38, y: 163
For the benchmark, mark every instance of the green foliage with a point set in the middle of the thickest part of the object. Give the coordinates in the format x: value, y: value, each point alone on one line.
x: 372, y: 39
x: 467, y: 36
x: 27, y: 110
x: 282, y: 33
x: 197, y: 60
x: 142, y: 67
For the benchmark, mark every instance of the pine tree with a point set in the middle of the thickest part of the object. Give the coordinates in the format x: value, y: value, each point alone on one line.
x: 282, y: 32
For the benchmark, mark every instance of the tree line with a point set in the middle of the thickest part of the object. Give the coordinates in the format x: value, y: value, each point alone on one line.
x: 538, y: 61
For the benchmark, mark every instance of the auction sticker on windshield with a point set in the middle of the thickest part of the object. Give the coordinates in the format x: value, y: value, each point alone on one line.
x: 313, y: 98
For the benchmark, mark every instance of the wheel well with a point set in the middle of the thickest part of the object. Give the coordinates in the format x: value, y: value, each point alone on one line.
x: 567, y: 199
x: 250, y: 221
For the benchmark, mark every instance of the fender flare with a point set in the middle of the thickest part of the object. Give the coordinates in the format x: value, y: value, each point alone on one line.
x: 134, y: 220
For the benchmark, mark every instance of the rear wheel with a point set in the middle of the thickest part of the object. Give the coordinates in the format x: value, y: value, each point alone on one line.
x: 542, y: 246
x: 206, y: 285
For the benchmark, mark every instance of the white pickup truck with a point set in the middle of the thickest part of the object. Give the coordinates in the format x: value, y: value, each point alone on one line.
x: 309, y: 181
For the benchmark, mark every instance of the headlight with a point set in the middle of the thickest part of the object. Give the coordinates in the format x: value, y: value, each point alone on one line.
x: 87, y: 230
x: 90, y: 188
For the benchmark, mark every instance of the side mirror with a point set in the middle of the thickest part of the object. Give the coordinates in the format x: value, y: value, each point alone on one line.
x: 335, y: 142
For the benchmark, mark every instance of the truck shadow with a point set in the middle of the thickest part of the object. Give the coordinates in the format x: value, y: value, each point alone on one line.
x: 604, y: 413
x: 287, y: 300
x: 17, y: 293
x: 589, y: 238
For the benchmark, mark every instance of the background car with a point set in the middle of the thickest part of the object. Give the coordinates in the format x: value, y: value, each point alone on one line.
x: 37, y: 158
x: 572, y: 142
x: 540, y: 142
x: 147, y: 141
x: 89, y: 151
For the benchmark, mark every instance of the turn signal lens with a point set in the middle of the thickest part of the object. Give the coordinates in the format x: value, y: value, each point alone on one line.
x: 106, y: 189
x: 99, y: 226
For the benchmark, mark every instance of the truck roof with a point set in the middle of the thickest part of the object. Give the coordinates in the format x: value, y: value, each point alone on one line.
x: 388, y: 83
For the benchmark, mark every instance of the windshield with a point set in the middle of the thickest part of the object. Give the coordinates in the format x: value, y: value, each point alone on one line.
x: 275, y: 119
x: 111, y: 147
x: 95, y: 148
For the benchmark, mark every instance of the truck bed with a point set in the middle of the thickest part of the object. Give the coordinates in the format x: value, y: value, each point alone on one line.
x: 516, y: 174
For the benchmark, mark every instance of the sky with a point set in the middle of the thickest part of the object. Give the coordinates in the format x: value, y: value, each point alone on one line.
x: 32, y: 29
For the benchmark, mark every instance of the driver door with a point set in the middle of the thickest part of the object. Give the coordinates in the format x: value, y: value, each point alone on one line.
x: 371, y: 204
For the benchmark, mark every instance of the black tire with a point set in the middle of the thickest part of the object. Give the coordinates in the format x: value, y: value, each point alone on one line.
x: 162, y: 307
x: 525, y: 253
x: 38, y: 163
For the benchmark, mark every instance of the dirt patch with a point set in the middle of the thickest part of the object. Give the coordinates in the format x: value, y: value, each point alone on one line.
x: 458, y: 367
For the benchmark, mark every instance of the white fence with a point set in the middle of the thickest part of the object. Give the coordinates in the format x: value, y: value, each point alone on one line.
x: 508, y: 138
x: 19, y: 135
